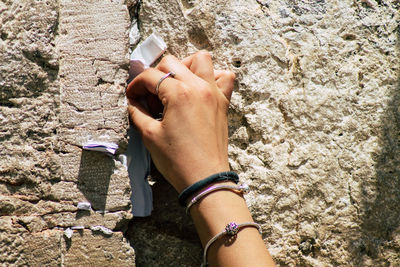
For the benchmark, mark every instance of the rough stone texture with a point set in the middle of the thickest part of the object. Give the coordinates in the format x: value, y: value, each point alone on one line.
x: 314, y: 128
x: 168, y: 236
x: 88, y: 249
x: 62, y: 74
x: 314, y: 125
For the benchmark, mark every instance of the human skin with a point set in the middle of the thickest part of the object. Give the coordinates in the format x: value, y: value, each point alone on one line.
x: 190, y: 143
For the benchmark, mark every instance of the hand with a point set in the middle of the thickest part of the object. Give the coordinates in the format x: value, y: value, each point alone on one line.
x: 191, y: 141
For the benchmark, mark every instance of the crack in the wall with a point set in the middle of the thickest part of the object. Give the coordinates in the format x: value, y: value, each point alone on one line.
x: 264, y: 6
x: 353, y: 202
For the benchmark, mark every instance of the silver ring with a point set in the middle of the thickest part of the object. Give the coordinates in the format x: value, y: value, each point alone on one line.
x: 172, y: 74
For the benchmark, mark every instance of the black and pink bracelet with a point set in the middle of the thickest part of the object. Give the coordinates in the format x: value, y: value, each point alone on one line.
x: 218, y: 177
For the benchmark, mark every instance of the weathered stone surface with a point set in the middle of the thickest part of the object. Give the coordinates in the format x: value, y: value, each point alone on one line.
x: 168, y: 236
x: 314, y: 121
x: 43, y: 249
x: 38, y: 249
x: 28, y: 97
x: 314, y: 128
x: 88, y: 249
x: 62, y: 74
x: 52, y: 248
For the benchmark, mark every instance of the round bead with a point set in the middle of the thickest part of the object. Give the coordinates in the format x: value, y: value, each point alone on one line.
x: 231, y: 228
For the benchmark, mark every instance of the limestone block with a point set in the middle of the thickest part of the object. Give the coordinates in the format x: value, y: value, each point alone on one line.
x: 28, y: 96
x: 314, y: 128
x: 87, y: 248
x: 62, y: 74
x: 313, y: 119
x: 93, y: 51
x: 15, y: 206
x: 27, y: 49
x: 37, y: 249
x: 38, y: 246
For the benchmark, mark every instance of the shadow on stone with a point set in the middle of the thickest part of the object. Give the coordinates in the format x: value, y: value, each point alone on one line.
x: 82, y: 213
x: 94, y: 177
x: 168, y: 236
x: 68, y: 242
x: 380, y: 219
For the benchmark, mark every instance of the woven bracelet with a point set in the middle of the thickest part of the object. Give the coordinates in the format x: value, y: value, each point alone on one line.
x: 218, y: 177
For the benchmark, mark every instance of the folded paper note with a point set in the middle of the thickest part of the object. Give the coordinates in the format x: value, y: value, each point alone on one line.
x: 150, y: 50
x: 102, y: 229
x: 68, y: 233
x: 84, y: 206
x: 145, y: 54
x: 110, y: 148
x: 138, y: 169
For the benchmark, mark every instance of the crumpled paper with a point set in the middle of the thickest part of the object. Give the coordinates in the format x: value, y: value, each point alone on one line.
x: 100, y: 228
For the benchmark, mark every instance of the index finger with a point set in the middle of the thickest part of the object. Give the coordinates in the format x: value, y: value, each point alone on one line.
x: 144, y: 84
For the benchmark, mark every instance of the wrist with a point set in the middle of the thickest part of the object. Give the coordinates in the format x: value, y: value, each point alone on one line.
x: 214, y: 211
x: 206, y: 182
x: 189, y: 177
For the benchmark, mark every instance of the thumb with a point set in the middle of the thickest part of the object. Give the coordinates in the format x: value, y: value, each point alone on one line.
x: 142, y: 119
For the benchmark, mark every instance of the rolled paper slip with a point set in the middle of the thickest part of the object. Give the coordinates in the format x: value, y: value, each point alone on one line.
x: 68, y: 233
x: 78, y: 227
x: 84, y: 206
x: 110, y: 148
x: 102, y: 229
x: 138, y: 157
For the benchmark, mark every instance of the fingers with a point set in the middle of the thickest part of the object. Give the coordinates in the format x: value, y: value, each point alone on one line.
x: 201, y: 65
x: 146, y: 83
x: 142, y: 119
x: 225, y: 80
x: 172, y: 64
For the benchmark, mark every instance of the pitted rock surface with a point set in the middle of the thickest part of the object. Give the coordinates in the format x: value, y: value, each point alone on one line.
x: 314, y: 122
x: 314, y: 128
x: 62, y: 74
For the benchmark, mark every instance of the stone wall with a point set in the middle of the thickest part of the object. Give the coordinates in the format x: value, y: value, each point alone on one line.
x: 63, y: 69
x: 314, y: 128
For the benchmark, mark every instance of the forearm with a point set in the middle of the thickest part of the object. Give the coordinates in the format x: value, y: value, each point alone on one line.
x: 190, y: 143
x: 212, y: 213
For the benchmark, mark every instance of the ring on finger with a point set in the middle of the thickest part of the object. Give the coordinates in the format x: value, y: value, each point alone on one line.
x: 172, y: 74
